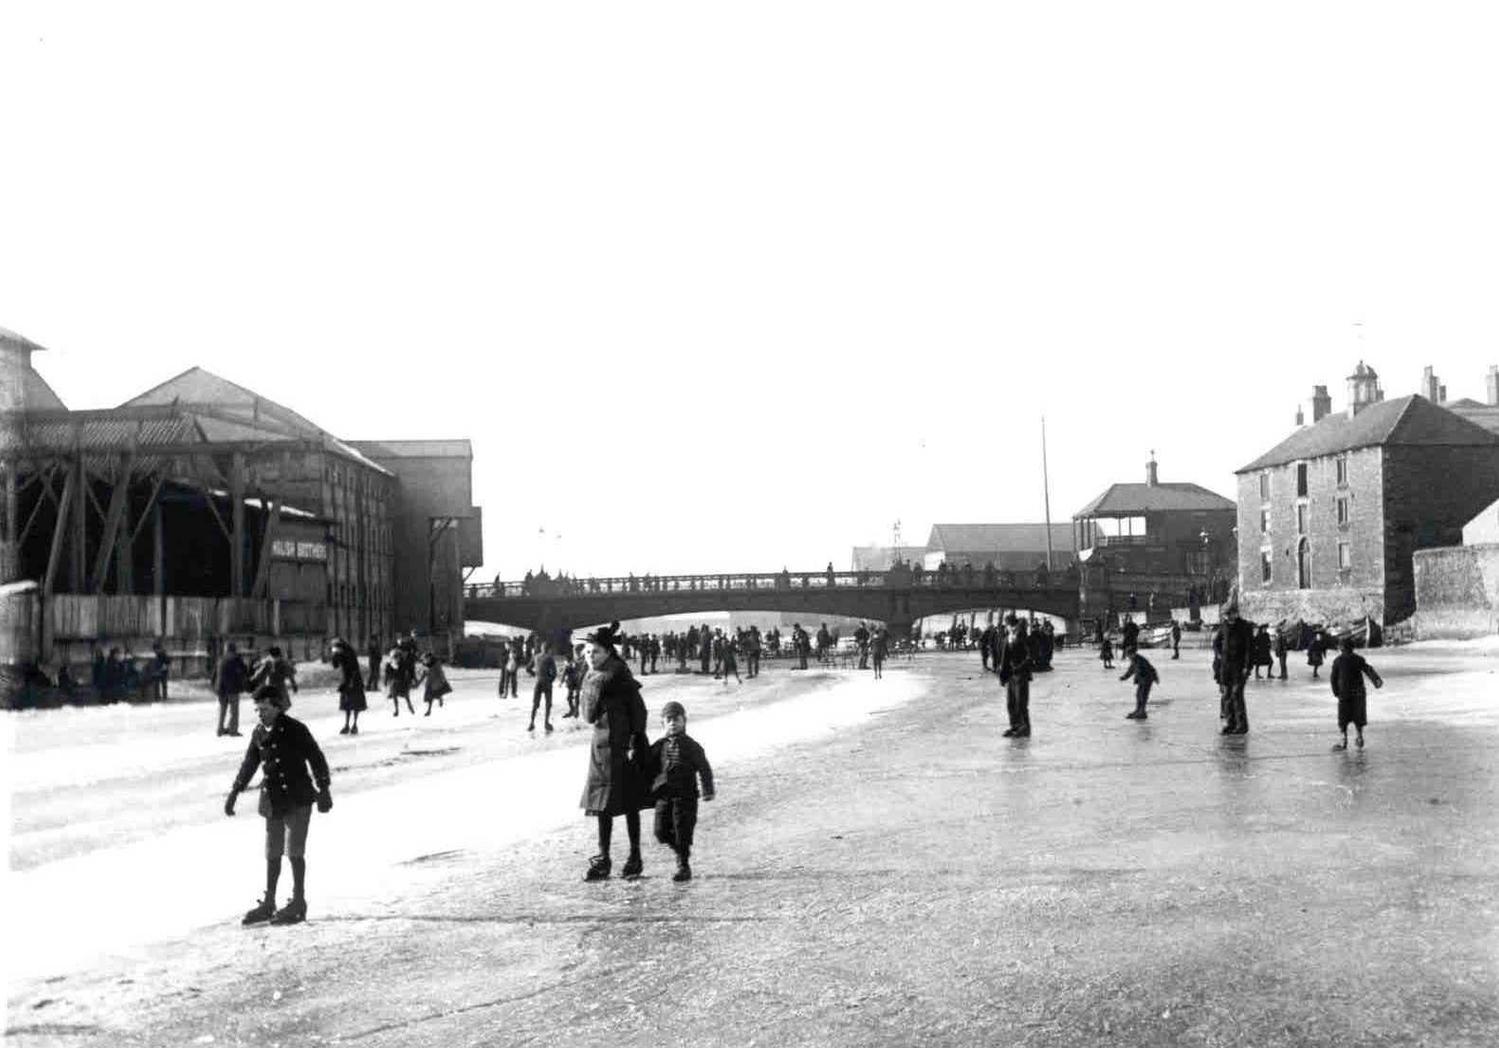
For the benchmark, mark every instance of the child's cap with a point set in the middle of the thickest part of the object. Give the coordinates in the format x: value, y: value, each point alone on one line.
x: 673, y: 709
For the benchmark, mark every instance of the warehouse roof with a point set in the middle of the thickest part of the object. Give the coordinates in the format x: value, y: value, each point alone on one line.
x: 999, y: 538
x: 1405, y: 421
x: 415, y: 448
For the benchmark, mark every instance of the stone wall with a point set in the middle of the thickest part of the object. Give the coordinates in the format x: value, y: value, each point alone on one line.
x: 1339, y: 604
x: 1457, y: 591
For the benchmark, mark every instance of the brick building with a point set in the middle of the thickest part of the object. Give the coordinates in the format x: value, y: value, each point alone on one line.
x: 1330, y: 517
x: 1154, y: 546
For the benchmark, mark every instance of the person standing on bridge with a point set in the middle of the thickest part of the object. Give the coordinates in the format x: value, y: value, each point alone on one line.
x: 616, y: 780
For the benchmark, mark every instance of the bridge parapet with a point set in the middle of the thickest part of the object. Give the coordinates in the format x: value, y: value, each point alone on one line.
x: 784, y: 581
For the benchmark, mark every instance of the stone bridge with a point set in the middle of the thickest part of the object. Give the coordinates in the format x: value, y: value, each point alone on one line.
x: 897, y: 597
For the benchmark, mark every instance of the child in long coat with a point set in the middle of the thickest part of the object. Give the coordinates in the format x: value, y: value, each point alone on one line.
x: 1348, y: 672
x: 1106, y: 653
x: 436, y: 682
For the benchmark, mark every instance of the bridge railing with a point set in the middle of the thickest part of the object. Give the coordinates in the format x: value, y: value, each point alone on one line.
x: 784, y: 581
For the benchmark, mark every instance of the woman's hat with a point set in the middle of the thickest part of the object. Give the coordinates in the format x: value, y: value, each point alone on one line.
x: 604, y: 635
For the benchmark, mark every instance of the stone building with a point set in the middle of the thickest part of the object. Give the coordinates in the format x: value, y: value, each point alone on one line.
x: 1329, y: 518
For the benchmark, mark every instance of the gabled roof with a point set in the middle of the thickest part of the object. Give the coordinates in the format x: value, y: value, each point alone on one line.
x: 39, y: 395
x: 1485, y: 415
x: 1133, y: 500
x: 1405, y: 421
x: 253, y: 417
x: 999, y: 538
x: 20, y: 341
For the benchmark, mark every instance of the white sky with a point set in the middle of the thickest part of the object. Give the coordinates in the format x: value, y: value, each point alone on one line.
x: 719, y: 287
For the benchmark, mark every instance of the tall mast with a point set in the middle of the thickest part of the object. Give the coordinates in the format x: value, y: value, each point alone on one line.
x: 1046, y: 493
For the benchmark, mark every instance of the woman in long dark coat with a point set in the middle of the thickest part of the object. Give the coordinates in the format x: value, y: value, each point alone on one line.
x: 350, y: 686
x: 617, y: 783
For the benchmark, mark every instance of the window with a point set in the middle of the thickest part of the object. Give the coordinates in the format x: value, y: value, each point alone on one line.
x: 1342, y: 471
x: 1264, y: 565
x: 1345, y: 556
x: 1301, y: 480
x: 1304, y: 565
x: 1264, y: 487
x: 1342, y: 512
x: 1264, y: 522
x: 1301, y: 518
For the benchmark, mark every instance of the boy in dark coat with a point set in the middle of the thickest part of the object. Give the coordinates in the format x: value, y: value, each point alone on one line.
x: 1145, y: 675
x: 1348, y: 672
x: 678, y: 761
x: 283, y: 748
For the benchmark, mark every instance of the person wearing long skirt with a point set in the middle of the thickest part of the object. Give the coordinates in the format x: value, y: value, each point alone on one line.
x: 617, y: 783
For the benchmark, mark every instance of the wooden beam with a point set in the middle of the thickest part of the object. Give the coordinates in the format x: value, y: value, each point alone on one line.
x: 118, y: 500
x: 263, y: 569
x: 135, y: 532
x: 77, y: 562
x: 59, y: 534
x: 158, y: 552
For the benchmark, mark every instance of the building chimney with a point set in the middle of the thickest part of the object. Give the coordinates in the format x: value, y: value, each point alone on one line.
x: 1150, y: 471
x: 1300, y: 418
x: 1493, y: 385
x: 1431, y: 389
x: 1363, y: 389
x: 1321, y: 404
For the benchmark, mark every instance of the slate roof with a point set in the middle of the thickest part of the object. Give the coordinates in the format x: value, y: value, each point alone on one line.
x: 1000, y: 538
x: 1485, y: 415
x: 253, y: 417
x: 1134, y: 500
x: 1410, y: 421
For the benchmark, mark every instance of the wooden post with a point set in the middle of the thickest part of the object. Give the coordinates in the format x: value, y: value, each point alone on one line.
x: 158, y: 552
x: 124, y: 562
x: 77, y: 581
x: 237, y: 525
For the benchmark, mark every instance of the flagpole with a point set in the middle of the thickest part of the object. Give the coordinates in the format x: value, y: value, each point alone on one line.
x: 1046, y: 493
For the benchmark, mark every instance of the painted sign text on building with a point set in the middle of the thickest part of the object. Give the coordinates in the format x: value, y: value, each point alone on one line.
x: 289, y: 549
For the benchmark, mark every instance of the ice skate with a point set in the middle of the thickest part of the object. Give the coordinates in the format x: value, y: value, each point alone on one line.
x: 264, y: 911
x: 354, y: 729
x: 294, y: 912
x: 684, y: 872
x: 531, y: 726
x: 633, y: 867
x: 598, y: 868
x: 344, y: 730
x: 1359, y: 742
x: 550, y: 729
x: 1340, y: 745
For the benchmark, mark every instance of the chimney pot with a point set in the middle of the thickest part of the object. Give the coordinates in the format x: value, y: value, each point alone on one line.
x: 1150, y: 472
x: 1493, y: 385
x: 1321, y: 404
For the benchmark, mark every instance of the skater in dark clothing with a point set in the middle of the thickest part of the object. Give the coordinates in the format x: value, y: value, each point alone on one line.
x: 677, y: 762
x: 372, y: 653
x: 1348, y: 672
x: 1130, y: 634
x: 351, y: 698
x: 879, y: 647
x: 1262, y: 651
x: 276, y: 671
x: 1145, y: 676
x: 731, y: 660
x: 399, y: 672
x: 1238, y: 658
x: 572, y: 677
x: 1106, y: 653
x: 1314, y: 650
x: 284, y: 750
x: 705, y: 648
x: 616, y: 780
x: 1015, y: 675
x: 160, y: 668
x: 1176, y: 639
x: 435, y: 682
x: 229, y: 684
x: 1278, y: 649
x: 546, y: 673
x: 861, y: 640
